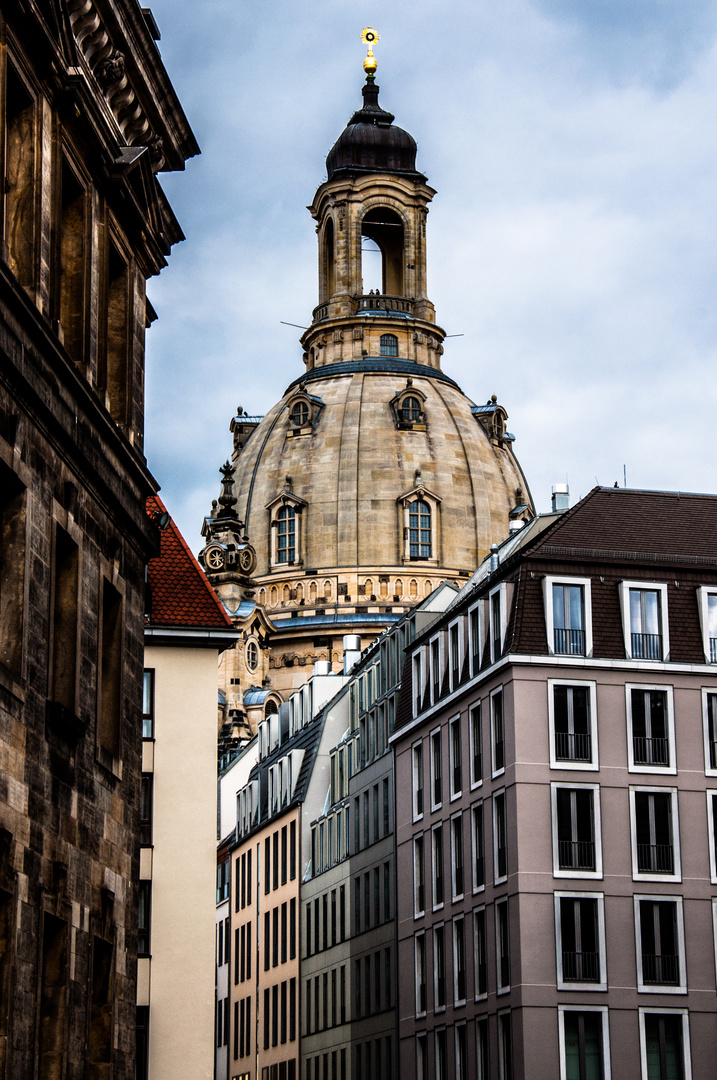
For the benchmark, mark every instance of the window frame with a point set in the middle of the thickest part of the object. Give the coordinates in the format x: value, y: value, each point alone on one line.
x: 149, y: 677
x: 435, y: 928
x: 657, y: 770
x: 476, y: 651
x: 707, y: 691
x: 714, y: 934
x: 574, y: 985
x: 638, y: 875
x: 458, y: 1002
x: 500, y: 904
x: 479, y: 804
x: 660, y: 988
x: 566, y: 579
x: 559, y: 763
x: 419, y: 879
x: 645, y: 586
x: 644, y: 1011
x: 477, y: 706
x: 502, y: 591
x: 498, y: 879
x: 499, y: 690
x: 420, y: 935
x: 431, y: 736
x: 417, y: 766
x: 437, y: 905
x: 711, y: 795
x: 703, y: 594
x: 579, y: 1008
x: 455, y: 895
x: 478, y: 996
x: 452, y: 723
x: 587, y: 875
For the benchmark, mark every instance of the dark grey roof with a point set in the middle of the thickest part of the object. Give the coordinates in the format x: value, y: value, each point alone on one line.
x: 375, y: 363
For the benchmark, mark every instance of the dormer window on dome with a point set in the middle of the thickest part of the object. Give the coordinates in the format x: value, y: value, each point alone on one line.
x: 303, y: 410
x: 419, y: 512
x: 408, y: 408
x: 286, y: 529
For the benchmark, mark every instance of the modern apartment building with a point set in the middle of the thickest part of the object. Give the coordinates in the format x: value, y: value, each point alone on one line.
x: 556, y: 804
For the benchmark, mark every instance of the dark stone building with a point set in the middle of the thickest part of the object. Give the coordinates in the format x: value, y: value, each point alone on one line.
x: 87, y: 118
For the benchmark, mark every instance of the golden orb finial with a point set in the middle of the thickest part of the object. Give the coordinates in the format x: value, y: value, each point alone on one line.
x: 369, y: 36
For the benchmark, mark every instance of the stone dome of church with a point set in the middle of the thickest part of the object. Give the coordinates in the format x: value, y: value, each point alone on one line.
x: 371, y: 142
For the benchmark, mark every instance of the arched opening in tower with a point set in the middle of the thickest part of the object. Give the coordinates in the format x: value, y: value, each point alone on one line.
x: 329, y: 276
x: 385, y: 228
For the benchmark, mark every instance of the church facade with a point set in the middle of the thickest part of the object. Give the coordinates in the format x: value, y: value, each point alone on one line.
x: 374, y: 477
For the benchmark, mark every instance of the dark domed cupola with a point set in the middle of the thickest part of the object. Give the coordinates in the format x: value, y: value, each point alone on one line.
x: 372, y: 143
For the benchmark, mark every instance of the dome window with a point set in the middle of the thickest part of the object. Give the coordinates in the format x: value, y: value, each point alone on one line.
x: 286, y: 525
x: 419, y: 530
x: 252, y: 656
x: 410, y: 410
x: 419, y: 522
x: 389, y: 345
x: 300, y: 413
x: 303, y: 410
x: 286, y: 535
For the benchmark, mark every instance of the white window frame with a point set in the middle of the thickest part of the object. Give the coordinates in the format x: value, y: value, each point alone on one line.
x: 658, y: 770
x: 453, y: 795
x: 710, y: 794
x: 441, y: 904
x: 464, y: 1072
x: 476, y: 888
x: 501, y: 589
x: 642, y: 876
x: 687, y: 1056
x: 436, y: 731
x: 420, y: 934
x: 588, y: 875
x: 461, y: 641
x: 494, y: 694
x: 436, y: 1007
x: 706, y: 691
x: 496, y: 879
x: 478, y: 607
x: 459, y: 1002
x: 442, y: 657
x: 419, y: 673
x: 418, y: 745
x: 454, y: 895
x: 660, y: 989
x: 501, y: 1059
x: 418, y: 913
x: 645, y: 586
x: 584, y: 583
x: 562, y: 1009
x: 499, y: 902
x: 703, y: 592
x: 574, y: 766
x: 714, y: 933
x: 474, y: 784
x: 568, y: 984
x: 474, y: 913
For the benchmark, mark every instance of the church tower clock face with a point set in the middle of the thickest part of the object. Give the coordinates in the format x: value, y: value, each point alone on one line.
x: 374, y: 477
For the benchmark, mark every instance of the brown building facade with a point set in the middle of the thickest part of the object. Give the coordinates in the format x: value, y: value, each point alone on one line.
x: 555, y: 779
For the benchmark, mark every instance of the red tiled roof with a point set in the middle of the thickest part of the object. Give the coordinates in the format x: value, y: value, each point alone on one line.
x: 180, y: 592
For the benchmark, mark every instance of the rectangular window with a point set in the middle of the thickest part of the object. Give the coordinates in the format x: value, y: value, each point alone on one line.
x: 19, y: 180
x: 145, y: 810
x: 478, y: 847
x: 292, y: 851
x: 500, y: 849
x: 644, y: 618
x: 421, y: 1058
x: 497, y: 732
x: 665, y: 1044
x: 436, y: 669
x: 275, y: 858
x: 386, y: 891
x: 651, y: 729
x: 267, y: 864
x: 568, y: 618
x: 292, y: 928
x: 375, y: 813
x: 576, y: 837
x: 439, y: 967
x: 437, y: 866
x: 457, y: 856
x: 342, y: 912
x: 325, y: 919
x: 707, y: 599
x: 275, y: 1014
x: 419, y: 946
x: 573, y: 727
x: 248, y: 876
x: 144, y: 918
x: 502, y: 946
x: 284, y: 932
x: 454, y: 656
x: 248, y: 950
x: 436, y: 770
x: 417, y: 763
x: 267, y: 940
x: 148, y: 704
x: 474, y: 626
x: 267, y: 1017
x: 376, y: 896
x: 655, y: 834
x: 386, y: 808
x: 419, y: 889
x: 709, y: 718
x: 476, y: 746
x: 459, y: 960
x: 461, y: 1052
x: 480, y: 954
x: 482, y: 1051
x: 440, y: 1040
x: 357, y: 904
x: 110, y: 670
x: 456, y: 757
x: 275, y: 937
x: 505, y: 1046
x: 284, y: 854
x: 659, y: 929
x: 357, y: 824
x: 584, y: 1047
x: 64, y: 625
x: 308, y: 929
x: 497, y: 601
x: 580, y: 934
x: 71, y: 288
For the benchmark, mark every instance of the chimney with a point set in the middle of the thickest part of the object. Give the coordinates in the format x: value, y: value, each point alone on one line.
x: 322, y: 667
x: 561, y: 498
x: 352, y: 651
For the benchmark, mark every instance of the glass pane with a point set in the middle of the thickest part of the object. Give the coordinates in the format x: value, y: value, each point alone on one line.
x: 591, y: 1025
x: 635, y: 612
x: 558, y: 607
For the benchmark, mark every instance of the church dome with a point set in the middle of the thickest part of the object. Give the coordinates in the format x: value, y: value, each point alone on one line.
x: 371, y: 143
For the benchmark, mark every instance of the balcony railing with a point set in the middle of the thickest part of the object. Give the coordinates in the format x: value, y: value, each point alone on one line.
x: 378, y: 302
x: 650, y: 751
x: 660, y: 970
x: 573, y: 746
x: 646, y: 646
x: 655, y: 859
x: 576, y: 854
x: 581, y: 966
x: 569, y: 642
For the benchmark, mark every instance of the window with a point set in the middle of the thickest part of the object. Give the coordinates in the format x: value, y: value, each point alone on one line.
x: 475, y: 633
x: 573, y: 725
x: 497, y: 732
x: 440, y: 1040
x: 389, y: 345
x: 145, y: 810
x: 420, y: 966
x: 410, y: 410
x: 456, y: 757
x: 712, y: 833
x: 286, y: 539
x: 454, y: 655
x: 252, y: 656
x: 144, y: 918
x: 300, y: 413
x: 421, y: 1057
x: 148, y: 704
x: 439, y: 967
x: 708, y: 617
x: 576, y: 830
x: 500, y: 851
x: 505, y: 1046
x: 497, y: 602
x: 502, y: 946
x: 478, y: 847
x: 651, y: 729
x: 665, y: 1044
x: 457, y: 856
x: 437, y: 846
x: 459, y: 960
x: 580, y: 937
x: 419, y: 529
x: 655, y: 834
x: 644, y: 619
x: 709, y: 719
x: 476, y: 739
x: 64, y: 624
x: 659, y: 939
x: 436, y: 770
x: 480, y: 954
x: 568, y: 616
x: 461, y: 1052
x: 482, y: 1051
x: 584, y: 1045
x: 419, y: 888
x: 110, y: 666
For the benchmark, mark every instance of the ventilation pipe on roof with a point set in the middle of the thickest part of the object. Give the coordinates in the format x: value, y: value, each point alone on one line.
x: 322, y: 667
x: 352, y: 651
x: 561, y: 498
x: 494, y: 558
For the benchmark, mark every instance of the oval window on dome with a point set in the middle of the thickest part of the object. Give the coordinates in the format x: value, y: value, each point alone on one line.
x: 300, y: 413
x: 410, y: 410
x: 252, y: 656
x: 389, y: 345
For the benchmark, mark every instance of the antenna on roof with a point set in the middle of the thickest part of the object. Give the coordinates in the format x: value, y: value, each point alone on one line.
x: 624, y: 476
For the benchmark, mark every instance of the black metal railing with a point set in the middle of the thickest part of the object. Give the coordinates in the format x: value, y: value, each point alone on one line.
x: 581, y: 966
x: 650, y: 751
x: 655, y: 858
x: 576, y: 854
x: 646, y: 646
x: 573, y: 746
x: 662, y: 970
x: 569, y: 642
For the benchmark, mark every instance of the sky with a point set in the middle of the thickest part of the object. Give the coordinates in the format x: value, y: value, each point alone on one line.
x: 573, y: 148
